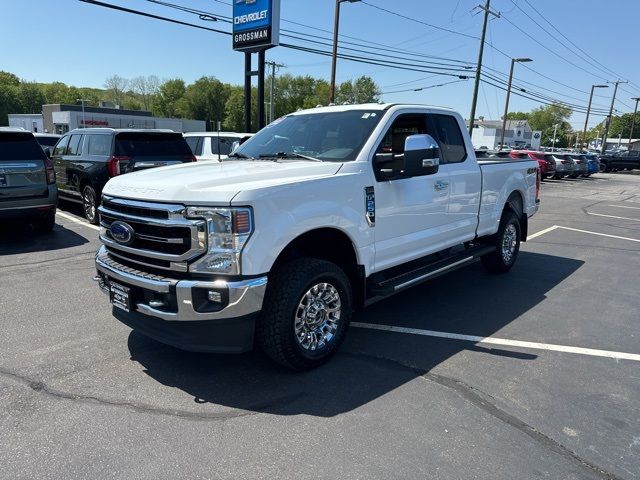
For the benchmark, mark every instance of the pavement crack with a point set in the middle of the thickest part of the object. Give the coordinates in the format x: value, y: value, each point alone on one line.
x: 42, y: 387
x: 485, y: 402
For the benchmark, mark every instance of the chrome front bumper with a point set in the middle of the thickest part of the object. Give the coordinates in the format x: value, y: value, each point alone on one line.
x: 245, y: 297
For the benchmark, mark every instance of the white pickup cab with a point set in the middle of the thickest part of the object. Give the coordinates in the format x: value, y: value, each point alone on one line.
x: 320, y: 213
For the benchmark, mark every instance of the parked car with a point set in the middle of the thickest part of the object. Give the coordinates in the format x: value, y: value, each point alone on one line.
x: 582, y: 165
x: 47, y: 141
x: 27, y: 180
x: 565, y: 166
x: 214, y: 146
x: 628, y: 160
x: 357, y: 202
x: 85, y: 159
x: 593, y: 163
x: 546, y: 163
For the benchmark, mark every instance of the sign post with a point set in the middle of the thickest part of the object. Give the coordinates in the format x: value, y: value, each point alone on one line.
x: 256, y: 28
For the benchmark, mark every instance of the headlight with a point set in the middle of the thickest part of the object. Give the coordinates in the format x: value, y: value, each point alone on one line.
x: 228, y: 229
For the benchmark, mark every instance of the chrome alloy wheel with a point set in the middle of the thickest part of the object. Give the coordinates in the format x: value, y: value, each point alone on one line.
x: 317, y: 316
x: 89, y: 204
x: 509, y: 242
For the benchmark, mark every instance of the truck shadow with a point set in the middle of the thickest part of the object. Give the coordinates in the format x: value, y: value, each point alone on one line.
x: 20, y: 237
x: 370, y: 363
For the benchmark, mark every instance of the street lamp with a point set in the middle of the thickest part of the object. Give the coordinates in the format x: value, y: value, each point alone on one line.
x: 584, y: 132
x: 506, y: 103
x: 555, y: 129
x: 633, y: 120
x: 84, y: 121
x: 332, y: 90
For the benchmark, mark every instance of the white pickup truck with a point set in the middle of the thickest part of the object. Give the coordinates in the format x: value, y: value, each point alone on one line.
x: 318, y: 214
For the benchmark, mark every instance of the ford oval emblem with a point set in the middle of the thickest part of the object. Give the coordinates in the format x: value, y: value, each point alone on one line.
x: 122, y: 233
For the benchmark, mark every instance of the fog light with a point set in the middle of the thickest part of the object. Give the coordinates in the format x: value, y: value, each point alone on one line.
x: 214, y: 296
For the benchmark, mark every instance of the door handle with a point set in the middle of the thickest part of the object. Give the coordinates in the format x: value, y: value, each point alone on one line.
x: 440, y: 185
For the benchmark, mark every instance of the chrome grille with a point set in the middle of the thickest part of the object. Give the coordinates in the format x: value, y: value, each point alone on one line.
x: 163, y: 237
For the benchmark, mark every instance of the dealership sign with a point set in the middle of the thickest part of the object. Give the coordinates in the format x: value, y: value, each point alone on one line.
x: 256, y: 24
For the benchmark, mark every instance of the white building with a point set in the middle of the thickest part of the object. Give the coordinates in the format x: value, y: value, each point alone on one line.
x: 29, y: 121
x: 487, y: 133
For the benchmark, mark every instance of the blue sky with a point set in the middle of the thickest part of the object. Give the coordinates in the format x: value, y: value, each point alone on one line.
x: 82, y: 44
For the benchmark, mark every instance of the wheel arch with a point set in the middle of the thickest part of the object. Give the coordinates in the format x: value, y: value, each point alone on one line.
x: 515, y: 203
x: 330, y: 244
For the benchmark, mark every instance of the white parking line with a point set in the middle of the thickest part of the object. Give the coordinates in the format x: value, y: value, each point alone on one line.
x: 613, y: 216
x: 623, y: 206
x: 556, y: 227
x: 77, y: 220
x: 600, y: 234
x: 542, y: 232
x: 502, y: 341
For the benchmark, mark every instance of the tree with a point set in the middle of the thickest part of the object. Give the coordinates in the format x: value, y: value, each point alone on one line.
x: 518, y: 116
x: 622, y: 126
x: 116, y: 87
x: 361, y: 90
x: 205, y: 99
x: 234, y: 110
x: 169, y: 96
x: 10, y: 79
x: 146, y: 88
x: 31, y: 97
x: 9, y: 102
x: 546, y: 118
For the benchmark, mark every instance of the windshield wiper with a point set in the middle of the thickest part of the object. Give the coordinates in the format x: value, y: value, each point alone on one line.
x: 240, y: 155
x: 289, y: 155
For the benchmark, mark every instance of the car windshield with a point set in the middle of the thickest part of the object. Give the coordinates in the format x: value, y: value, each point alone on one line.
x: 330, y: 136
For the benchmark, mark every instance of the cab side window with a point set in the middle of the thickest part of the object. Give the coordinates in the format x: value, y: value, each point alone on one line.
x: 392, y: 144
x: 74, y: 145
x: 446, y: 132
x: 98, y: 144
x: 195, y: 144
x: 61, y: 146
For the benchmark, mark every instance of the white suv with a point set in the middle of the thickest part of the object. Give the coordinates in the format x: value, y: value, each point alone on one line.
x: 213, y: 145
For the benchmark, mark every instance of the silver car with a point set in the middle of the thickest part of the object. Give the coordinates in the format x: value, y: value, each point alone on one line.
x: 565, y: 166
x: 27, y: 180
x: 582, y: 165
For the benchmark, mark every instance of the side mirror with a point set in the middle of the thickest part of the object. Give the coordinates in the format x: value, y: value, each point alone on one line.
x: 421, y: 155
x: 48, y: 151
x: 235, y: 145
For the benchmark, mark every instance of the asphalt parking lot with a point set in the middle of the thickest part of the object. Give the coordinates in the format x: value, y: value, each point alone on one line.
x: 417, y: 391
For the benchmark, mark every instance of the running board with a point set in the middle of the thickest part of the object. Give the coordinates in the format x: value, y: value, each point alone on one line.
x: 427, y: 272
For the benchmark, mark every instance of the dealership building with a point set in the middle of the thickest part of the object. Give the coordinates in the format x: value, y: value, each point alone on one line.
x: 58, y: 118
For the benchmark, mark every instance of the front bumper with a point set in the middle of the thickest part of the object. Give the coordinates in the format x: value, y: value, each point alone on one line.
x: 181, y: 315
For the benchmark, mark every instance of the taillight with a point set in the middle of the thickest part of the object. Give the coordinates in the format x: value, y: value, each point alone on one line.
x: 50, y: 172
x: 537, y: 184
x: 189, y: 158
x: 113, y: 165
x: 566, y: 162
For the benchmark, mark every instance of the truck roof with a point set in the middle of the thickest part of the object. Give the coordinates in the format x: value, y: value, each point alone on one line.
x: 118, y: 130
x: 366, y: 106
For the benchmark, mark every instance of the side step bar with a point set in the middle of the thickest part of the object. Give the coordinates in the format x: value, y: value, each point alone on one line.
x: 427, y: 272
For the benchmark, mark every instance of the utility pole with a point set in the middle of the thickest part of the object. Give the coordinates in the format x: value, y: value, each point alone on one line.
x: 610, y: 117
x: 476, y: 85
x: 633, y: 120
x: 336, y: 25
x: 273, y: 66
x: 586, y: 120
x: 506, y: 103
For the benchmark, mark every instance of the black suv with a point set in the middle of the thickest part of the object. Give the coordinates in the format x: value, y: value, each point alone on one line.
x: 27, y: 180
x: 85, y: 159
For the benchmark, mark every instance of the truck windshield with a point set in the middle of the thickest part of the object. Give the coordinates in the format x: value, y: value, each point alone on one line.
x: 331, y: 136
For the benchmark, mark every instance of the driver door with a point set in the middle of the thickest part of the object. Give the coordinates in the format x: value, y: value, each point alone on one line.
x: 411, y: 213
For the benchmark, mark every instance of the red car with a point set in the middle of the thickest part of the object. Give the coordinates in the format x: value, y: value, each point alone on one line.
x: 546, y: 163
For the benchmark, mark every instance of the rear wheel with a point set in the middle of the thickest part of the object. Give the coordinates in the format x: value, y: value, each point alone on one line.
x: 45, y: 222
x: 306, y: 313
x: 90, y: 204
x: 507, y: 244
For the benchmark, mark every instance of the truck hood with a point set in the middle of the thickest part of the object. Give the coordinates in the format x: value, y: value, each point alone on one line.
x: 212, y: 182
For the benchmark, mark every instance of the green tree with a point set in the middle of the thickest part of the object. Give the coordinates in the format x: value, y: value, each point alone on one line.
x: 7, y: 78
x: 518, y: 116
x: 32, y: 97
x: 170, y: 94
x: 622, y: 126
x: 361, y: 90
x: 546, y: 118
x: 205, y: 99
x: 9, y: 102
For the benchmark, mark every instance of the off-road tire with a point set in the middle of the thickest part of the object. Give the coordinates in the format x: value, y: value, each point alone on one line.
x: 276, y: 325
x: 495, y: 262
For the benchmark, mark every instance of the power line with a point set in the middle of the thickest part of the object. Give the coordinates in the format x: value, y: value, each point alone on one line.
x: 423, y: 88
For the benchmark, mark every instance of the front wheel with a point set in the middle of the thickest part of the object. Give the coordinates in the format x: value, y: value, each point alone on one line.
x: 90, y: 204
x: 507, y: 244
x: 306, y: 312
